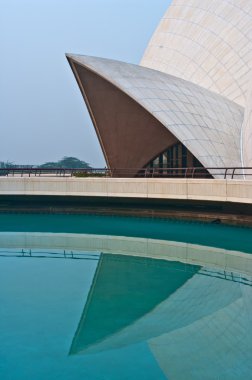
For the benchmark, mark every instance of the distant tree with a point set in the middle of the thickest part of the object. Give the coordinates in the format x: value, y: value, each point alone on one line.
x: 67, y: 163
x: 73, y: 162
x: 50, y: 165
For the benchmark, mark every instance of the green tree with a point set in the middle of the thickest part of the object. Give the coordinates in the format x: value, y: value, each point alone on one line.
x: 73, y: 162
x: 67, y: 163
x: 50, y: 165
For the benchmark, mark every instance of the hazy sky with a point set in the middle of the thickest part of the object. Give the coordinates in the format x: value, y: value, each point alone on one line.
x: 42, y: 113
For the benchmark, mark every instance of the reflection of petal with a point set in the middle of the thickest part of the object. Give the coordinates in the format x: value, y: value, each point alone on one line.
x: 124, y: 289
x: 182, y: 311
x: 200, y: 297
x: 216, y: 346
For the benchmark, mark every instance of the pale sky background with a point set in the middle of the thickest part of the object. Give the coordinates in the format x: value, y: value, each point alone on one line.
x: 42, y: 114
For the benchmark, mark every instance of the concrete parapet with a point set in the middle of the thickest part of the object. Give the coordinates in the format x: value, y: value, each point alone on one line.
x: 154, y: 188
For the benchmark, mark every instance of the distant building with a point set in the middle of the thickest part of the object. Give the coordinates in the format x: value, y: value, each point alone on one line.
x: 189, y: 102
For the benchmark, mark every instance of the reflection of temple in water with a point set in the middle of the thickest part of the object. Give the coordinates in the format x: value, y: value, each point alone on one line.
x: 181, y: 311
x: 192, y: 317
x: 124, y: 290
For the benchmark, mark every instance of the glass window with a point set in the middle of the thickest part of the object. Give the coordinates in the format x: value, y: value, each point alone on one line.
x: 172, y: 159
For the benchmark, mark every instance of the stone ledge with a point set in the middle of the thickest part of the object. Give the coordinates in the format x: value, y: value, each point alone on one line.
x: 165, y: 188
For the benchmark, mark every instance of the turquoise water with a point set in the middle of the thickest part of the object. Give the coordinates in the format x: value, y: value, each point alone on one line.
x: 222, y: 236
x: 69, y: 313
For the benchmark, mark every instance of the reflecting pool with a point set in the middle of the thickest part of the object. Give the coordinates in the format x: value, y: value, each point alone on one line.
x: 90, y: 297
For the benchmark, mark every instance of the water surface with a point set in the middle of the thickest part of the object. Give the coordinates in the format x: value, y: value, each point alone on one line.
x: 123, y: 298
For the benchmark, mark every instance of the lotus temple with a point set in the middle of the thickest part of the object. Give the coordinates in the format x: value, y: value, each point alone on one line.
x: 189, y: 101
x: 175, y: 130
x: 135, y: 271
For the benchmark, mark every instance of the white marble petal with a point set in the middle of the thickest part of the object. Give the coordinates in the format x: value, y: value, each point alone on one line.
x: 206, y: 42
x: 208, y: 124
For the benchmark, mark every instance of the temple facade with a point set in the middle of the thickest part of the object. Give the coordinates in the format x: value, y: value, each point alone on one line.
x: 188, y: 103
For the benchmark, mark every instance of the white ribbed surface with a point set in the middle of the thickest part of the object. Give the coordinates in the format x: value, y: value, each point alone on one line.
x: 246, y: 142
x: 208, y: 124
x: 206, y: 42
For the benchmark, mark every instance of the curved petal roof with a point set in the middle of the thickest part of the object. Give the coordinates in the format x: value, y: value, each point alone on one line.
x: 206, y: 42
x: 208, y: 124
x: 247, y: 129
